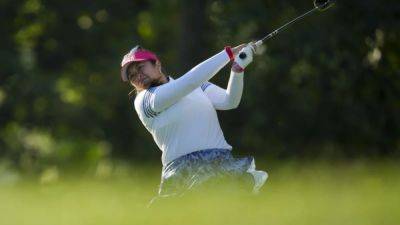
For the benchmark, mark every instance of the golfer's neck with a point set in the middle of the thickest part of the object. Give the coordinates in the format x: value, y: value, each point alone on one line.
x: 162, y: 80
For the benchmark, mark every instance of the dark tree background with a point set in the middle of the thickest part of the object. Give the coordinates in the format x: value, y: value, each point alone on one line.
x: 328, y: 86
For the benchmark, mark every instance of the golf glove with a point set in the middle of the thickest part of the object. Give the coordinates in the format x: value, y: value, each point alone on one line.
x: 244, y: 58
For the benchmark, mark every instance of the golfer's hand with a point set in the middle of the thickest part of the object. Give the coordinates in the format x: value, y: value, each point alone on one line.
x: 243, y: 58
x: 237, y: 49
x: 253, y: 46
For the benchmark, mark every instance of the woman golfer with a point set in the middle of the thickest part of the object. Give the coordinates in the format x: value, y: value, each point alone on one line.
x: 181, y: 116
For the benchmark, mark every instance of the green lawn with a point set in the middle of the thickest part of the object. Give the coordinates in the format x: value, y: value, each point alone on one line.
x: 296, y: 193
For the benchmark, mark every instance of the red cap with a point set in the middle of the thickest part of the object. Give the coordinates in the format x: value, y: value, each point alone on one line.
x: 137, y: 54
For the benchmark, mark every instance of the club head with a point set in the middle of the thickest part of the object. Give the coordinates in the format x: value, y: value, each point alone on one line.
x: 323, y: 5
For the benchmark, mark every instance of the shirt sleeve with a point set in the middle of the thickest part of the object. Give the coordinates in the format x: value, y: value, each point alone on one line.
x: 142, y: 103
x: 168, y: 94
x: 225, y: 99
x: 148, y: 101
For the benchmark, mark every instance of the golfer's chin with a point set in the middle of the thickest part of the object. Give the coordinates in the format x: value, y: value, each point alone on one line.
x: 148, y: 83
x: 145, y: 84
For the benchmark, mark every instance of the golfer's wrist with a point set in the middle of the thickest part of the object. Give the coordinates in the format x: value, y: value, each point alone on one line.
x: 229, y: 51
x: 237, y: 68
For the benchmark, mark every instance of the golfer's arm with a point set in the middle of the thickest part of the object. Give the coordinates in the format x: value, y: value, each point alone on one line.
x: 171, y: 92
x: 226, y: 99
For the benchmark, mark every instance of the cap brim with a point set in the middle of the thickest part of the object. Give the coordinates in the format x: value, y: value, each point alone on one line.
x: 124, y: 75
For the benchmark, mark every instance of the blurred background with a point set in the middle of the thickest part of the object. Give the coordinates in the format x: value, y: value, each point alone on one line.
x: 325, y: 89
x: 328, y: 86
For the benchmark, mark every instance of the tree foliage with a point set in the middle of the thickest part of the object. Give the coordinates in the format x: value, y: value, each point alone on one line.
x: 327, y: 86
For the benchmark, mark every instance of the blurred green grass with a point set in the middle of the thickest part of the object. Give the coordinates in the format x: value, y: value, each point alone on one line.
x: 296, y: 193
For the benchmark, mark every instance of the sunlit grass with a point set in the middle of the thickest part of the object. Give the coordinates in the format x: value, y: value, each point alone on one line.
x: 296, y: 193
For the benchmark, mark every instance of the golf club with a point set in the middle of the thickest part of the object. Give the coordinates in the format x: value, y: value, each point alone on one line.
x: 319, y: 5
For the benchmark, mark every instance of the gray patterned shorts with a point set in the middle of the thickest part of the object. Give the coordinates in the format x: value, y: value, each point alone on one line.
x: 193, y: 169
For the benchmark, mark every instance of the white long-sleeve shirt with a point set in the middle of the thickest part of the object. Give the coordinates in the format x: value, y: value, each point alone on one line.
x: 181, y: 114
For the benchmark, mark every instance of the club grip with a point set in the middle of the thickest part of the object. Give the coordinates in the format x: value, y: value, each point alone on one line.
x: 259, y: 43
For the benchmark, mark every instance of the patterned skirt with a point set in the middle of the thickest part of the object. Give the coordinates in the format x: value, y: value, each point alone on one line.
x: 194, y: 169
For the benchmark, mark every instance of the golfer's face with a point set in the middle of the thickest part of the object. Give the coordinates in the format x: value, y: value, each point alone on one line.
x: 143, y: 74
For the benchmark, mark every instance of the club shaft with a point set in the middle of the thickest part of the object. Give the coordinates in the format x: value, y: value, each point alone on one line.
x: 275, y: 32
